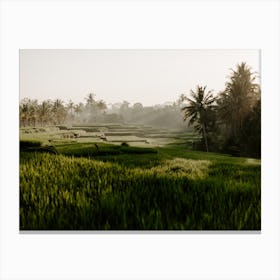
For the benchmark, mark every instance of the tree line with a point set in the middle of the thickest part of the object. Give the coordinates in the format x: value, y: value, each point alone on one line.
x: 230, y: 121
x: 55, y: 112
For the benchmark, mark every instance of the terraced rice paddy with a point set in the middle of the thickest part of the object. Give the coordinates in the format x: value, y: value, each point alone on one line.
x: 110, y: 133
x: 81, y: 178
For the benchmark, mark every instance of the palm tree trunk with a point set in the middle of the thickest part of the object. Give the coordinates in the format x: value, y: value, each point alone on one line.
x: 205, y: 137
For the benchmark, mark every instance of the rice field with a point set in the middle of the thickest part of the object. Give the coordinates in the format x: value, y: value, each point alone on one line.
x: 136, y: 135
x: 118, y: 186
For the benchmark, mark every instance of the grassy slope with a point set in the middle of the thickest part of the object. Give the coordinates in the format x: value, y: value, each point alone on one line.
x: 138, y: 189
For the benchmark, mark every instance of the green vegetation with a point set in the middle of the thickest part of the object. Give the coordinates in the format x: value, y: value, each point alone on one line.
x: 36, y: 146
x: 198, y: 111
x: 226, y: 122
x: 138, y: 168
x: 100, y: 149
x: 169, y: 188
x: 231, y: 121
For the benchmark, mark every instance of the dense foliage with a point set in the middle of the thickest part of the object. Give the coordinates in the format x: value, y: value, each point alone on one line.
x: 230, y: 122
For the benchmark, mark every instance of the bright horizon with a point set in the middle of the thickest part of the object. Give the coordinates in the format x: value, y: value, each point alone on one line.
x: 147, y: 76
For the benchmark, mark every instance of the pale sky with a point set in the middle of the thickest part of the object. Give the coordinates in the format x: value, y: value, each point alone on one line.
x: 146, y: 76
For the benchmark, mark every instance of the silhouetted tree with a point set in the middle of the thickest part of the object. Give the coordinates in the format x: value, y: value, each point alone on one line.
x: 197, y: 111
x: 236, y: 103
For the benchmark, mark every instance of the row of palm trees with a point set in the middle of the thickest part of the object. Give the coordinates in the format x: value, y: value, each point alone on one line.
x: 231, y: 120
x: 48, y: 112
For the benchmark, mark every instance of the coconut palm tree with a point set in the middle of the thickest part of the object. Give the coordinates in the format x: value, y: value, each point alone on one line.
x: 70, y: 108
x: 59, y: 111
x: 238, y: 99
x: 91, y: 107
x: 44, y: 112
x: 197, y: 111
x: 90, y: 102
x: 24, y: 111
x: 78, y: 109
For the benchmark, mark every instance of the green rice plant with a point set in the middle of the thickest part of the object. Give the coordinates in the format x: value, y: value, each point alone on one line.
x: 59, y: 192
x: 184, y: 167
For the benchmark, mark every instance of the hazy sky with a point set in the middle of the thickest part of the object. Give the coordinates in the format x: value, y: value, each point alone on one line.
x: 146, y: 76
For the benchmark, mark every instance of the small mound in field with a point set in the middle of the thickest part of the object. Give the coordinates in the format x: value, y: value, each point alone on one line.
x: 190, y: 168
x: 124, y: 144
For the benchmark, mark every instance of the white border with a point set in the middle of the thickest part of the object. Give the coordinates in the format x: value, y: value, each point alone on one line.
x: 155, y: 24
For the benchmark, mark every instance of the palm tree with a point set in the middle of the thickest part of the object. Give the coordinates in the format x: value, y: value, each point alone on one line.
x: 238, y: 99
x: 29, y: 111
x: 70, y: 107
x: 24, y: 111
x: 59, y: 111
x: 90, y: 101
x: 91, y: 107
x: 198, y: 109
x: 44, y: 112
x: 78, y: 110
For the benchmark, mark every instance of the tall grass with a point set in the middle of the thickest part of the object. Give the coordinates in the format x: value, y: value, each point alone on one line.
x: 60, y: 192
